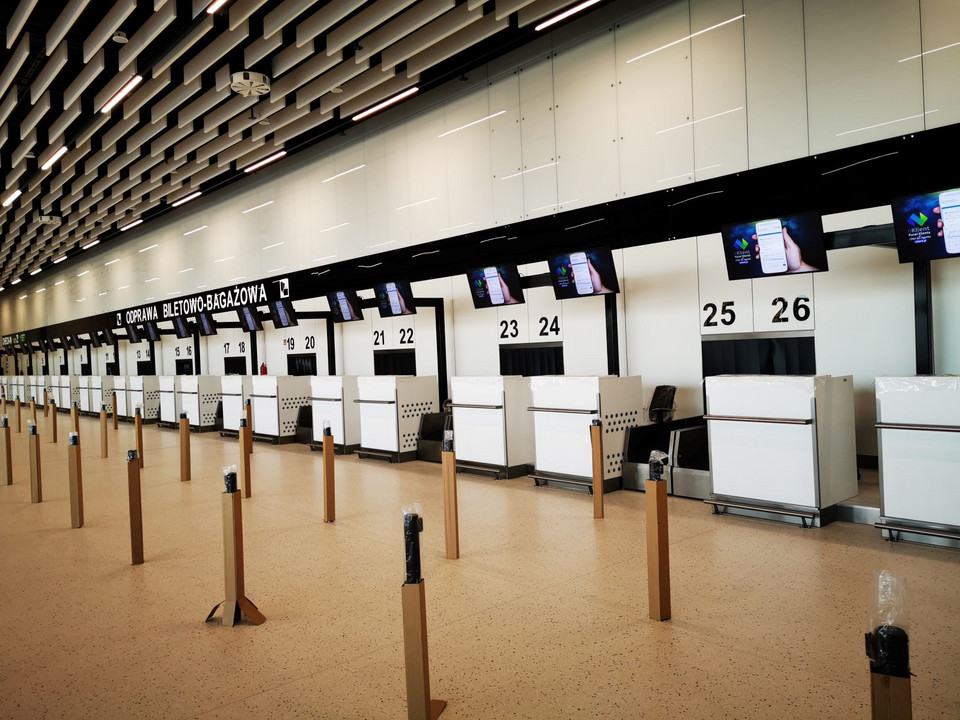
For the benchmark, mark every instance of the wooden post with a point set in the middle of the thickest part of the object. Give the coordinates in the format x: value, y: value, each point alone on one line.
x: 420, y: 706
x: 244, y: 466
x: 235, y: 601
x: 890, y: 698
x: 136, y: 511
x: 33, y: 410
x: 658, y: 544
x: 36, y: 481
x: 184, y: 448
x: 6, y: 455
x: 75, y: 418
x: 596, y: 445
x: 329, y: 479
x: 16, y: 408
x: 46, y: 397
x: 138, y: 428
x: 75, y: 475
x: 113, y: 410
x: 248, y: 409
x: 103, y: 431
x: 451, y: 519
x: 52, y: 422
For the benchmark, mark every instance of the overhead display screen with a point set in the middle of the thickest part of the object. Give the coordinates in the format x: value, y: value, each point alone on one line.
x: 133, y: 333
x: 345, y: 306
x: 583, y: 273
x: 181, y: 328
x: 395, y: 298
x: 776, y: 246
x: 152, y: 331
x: 495, y: 285
x: 927, y: 226
x: 109, y: 337
x: 249, y: 318
x: 282, y: 314
x: 206, y: 325
x: 95, y: 339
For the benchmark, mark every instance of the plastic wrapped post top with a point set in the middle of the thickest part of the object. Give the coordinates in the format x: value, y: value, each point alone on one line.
x: 32, y: 427
x: 4, y: 421
x: 73, y: 404
x: 138, y: 409
x: 183, y: 416
x: 658, y: 459
x: 230, y: 479
x: 448, y: 440
x: 131, y: 455
x: 243, y: 422
x: 73, y: 439
x: 327, y: 432
x: 887, y: 645
x: 412, y: 527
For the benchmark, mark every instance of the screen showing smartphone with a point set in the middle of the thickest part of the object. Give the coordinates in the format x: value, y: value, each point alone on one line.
x: 927, y: 226
x: 583, y: 273
x: 950, y: 216
x: 395, y: 298
x: 773, y: 256
x: 345, y: 306
x: 775, y: 246
x: 494, y: 291
x: 495, y: 285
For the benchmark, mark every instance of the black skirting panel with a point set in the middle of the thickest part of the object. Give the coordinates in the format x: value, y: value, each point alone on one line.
x: 528, y: 360
x: 759, y: 356
x: 395, y: 362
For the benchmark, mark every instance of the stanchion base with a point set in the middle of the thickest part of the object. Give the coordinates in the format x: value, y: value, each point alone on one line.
x: 233, y: 610
x: 437, y: 707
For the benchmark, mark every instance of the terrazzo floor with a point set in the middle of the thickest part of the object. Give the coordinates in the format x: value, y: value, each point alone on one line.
x: 544, y: 615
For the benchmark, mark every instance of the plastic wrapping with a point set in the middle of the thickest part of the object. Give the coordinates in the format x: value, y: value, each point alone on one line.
x: 4, y: 421
x: 183, y: 416
x: 327, y: 432
x: 230, y: 479
x: 31, y: 428
x: 448, y: 440
x: 74, y: 404
x: 132, y: 455
x: 412, y: 527
x: 658, y: 459
x: 73, y: 439
x: 888, y: 644
x: 924, y: 400
x: 243, y: 422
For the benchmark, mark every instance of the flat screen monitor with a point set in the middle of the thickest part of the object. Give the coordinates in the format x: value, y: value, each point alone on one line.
x: 345, y: 306
x: 249, y: 318
x: 206, y: 325
x: 282, y: 314
x: 583, y: 273
x: 927, y: 226
x: 776, y: 246
x: 109, y: 337
x: 181, y: 328
x: 133, y: 333
x: 152, y: 331
x: 70, y: 341
x: 395, y: 298
x: 495, y: 285
x: 95, y: 339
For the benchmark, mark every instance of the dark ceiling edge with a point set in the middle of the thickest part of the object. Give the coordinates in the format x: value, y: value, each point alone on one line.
x: 838, y: 181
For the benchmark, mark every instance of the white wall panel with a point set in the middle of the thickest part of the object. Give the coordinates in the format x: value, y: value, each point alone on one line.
x: 397, y: 196
x: 776, y: 80
x: 474, y: 334
x: 584, y: 324
x: 662, y: 337
x: 719, y: 89
x: 940, y: 20
x: 426, y: 177
x: 857, y: 89
x: 865, y: 326
x: 585, y: 88
x: 506, y: 154
x: 946, y: 330
x: 783, y: 303
x: 726, y: 306
x: 654, y: 93
x: 468, y: 165
x: 357, y: 340
x: 538, y: 136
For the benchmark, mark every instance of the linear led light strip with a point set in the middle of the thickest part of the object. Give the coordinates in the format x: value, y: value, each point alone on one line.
x: 266, y: 161
x: 387, y: 103
x: 59, y: 259
x: 565, y: 14
x: 121, y: 93
x: 128, y: 226
x: 13, y: 196
x: 53, y: 158
x: 90, y: 244
x: 186, y: 199
x: 215, y: 5
x: 683, y: 39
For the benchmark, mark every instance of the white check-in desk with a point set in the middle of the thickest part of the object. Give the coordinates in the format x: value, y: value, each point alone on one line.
x: 169, y: 389
x: 781, y: 447
x: 332, y: 398
x: 199, y: 396
x: 493, y: 430
x: 18, y: 387
x: 121, y: 390
x: 83, y: 387
x: 35, y: 387
x: 918, y: 436
x: 277, y: 400
x: 234, y: 392
x: 390, y: 410
x: 144, y: 390
x: 68, y: 392
x: 101, y: 392
x: 563, y: 410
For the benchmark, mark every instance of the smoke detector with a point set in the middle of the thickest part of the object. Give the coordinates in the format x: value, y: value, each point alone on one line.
x: 249, y: 84
x: 120, y: 37
x: 52, y: 220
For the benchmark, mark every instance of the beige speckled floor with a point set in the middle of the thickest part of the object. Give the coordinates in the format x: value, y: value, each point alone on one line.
x: 544, y: 616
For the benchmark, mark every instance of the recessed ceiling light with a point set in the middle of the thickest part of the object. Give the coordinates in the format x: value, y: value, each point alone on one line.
x: 345, y: 172
x: 53, y: 158
x: 131, y: 225
x: 40, y: 290
x: 565, y: 14
x: 186, y: 199
x: 120, y: 37
x: 266, y: 161
x: 385, y: 104
x: 59, y: 260
x: 90, y: 245
x: 13, y: 196
x: 16, y: 282
x: 37, y: 271
x: 215, y: 5
x: 121, y: 93
x: 277, y: 244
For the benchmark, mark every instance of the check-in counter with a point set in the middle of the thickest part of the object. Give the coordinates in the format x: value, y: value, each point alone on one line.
x: 332, y: 398
x: 563, y: 410
x: 390, y: 410
x: 277, y: 400
x: 83, y: 387
x: 101, y: 392
x: 19, y: 388
x: 144, y: 390
x: 918, y: 436
x: 69, y: 392
x: 35, y: 388
x: 199, y: 396
x: 781, y: 446
x: 5, y: 386
x: 493, y: 431
x: 169, y: 388
x: 121, y: 390
x: 234, y: 392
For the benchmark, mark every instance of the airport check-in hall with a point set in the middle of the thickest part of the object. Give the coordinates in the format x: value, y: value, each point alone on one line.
x: 480, y: 359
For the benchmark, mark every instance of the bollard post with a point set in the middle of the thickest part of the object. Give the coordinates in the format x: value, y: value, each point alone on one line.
x: 103, y: 431
x: 113, y: 410
x: 451, y: 514
x: 52, y: 422
x: 235, y: 603
x: 6, y: 454
x: 658, y: 543
x: 888, y: 648
x: 16, y: 407
x: 420, y: 706
x: 75, y: 475
x: 36, y: 481
x: 184, y: 448
x: 75, y: 417
x: 138, y: 428
x: 329, y: 477
x: 245, y: 442
x: 46, y: 397
x: 248, y: 410
x: 136, y: 509
x: 33, y: 410
x: 596, y: 445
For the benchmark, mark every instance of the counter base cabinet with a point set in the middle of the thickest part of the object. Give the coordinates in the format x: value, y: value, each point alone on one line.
x: 234, y: 391
x: 333, y: 400
x: 199, y: 397
x: 169, y: 413
x: 390, y: 410
x: 781, y: 447
x: 277, y: 400
x: 918, y: 421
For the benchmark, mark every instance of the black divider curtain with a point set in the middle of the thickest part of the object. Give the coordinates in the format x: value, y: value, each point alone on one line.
x: 395, y: 362
x: 146, y: 367
x: 527, y: 360
x: 234, y: 366
x: 759, y: 356
x: 113, y: 368
x: 302, y: 364
x: 184, y: 367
